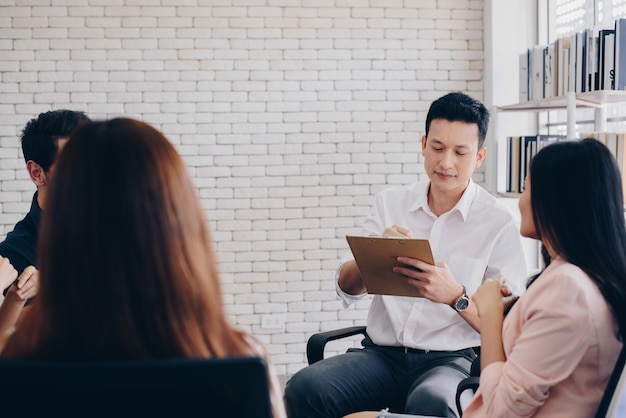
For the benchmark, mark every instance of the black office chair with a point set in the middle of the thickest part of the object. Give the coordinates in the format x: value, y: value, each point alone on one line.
x: 606, y: 409
x: 468, y: 384
x: 617, y: 383
x: 317, y: 342
x: 229, y: 387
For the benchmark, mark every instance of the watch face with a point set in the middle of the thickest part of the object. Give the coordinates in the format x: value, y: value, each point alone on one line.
x: 462, y: 304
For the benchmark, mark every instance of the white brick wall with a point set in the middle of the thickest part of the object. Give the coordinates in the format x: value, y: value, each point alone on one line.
x: 290, y: 114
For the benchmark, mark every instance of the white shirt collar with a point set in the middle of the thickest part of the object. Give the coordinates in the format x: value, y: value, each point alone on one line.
x: 462, y: 206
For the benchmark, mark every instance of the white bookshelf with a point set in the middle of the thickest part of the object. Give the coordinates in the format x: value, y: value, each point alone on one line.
x: 597, y: 100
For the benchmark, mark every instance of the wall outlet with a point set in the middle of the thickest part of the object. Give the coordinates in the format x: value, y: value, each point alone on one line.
x: 273, y: 321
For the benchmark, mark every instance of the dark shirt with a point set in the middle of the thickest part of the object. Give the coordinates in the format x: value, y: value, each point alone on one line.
x: 20, y: 245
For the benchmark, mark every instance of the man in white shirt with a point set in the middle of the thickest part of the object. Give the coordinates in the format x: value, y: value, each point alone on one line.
x: 419, y: 349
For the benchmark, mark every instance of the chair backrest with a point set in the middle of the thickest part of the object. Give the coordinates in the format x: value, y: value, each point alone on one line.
x: 228, y: 387
x: 614, y: 389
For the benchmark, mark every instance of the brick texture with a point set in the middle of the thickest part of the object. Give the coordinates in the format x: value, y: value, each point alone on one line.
x: 290, y: 114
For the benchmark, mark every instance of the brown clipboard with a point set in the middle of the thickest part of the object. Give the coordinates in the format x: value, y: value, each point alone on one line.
x: 377, y: 256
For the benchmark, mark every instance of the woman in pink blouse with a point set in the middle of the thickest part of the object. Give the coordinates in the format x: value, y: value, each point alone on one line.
x: 553, y: 353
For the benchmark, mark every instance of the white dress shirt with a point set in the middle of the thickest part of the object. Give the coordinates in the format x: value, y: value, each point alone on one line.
x: 477, y: 239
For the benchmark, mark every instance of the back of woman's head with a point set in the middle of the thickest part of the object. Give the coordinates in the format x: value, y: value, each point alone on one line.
x: 578, y: 208
x: 125, y: 256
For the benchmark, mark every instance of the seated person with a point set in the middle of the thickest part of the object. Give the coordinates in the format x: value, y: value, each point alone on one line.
x: 127, y: 269
x: 553, y: 353
x: 419, y: 349
x: 42, y: 139
x: 557, y: 347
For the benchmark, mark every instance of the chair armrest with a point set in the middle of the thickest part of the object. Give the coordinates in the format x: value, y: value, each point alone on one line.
x: 472, y: 383
x: 316, y: 343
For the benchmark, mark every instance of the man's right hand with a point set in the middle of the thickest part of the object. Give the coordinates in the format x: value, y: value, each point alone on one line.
x: 7, y: 273
x: 397, y: 231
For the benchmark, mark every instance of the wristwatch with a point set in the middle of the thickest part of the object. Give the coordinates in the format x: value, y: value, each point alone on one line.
x: 462, y: 302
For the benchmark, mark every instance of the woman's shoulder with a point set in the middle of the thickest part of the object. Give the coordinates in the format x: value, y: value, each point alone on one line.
x: 561, y: 273
x: 563, y: 285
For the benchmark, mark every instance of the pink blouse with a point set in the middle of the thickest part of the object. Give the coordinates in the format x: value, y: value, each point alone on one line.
x: 561, y: 347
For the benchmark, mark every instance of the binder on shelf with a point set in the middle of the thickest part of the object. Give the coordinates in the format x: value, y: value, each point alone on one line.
x: 620, y: 54
x: 538, y: 67
x: 562, y: 66
x: 572, y: 64
x: 549, y: 72
x: 530, y: 147
x: 523, y: 77
x: 591, y: 59
x: 607, y: 55
x: 513, y: 171
x: 580, y: 62
x: 509, y: 163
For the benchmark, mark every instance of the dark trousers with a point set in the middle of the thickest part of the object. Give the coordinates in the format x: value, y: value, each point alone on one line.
x: 373, y: 377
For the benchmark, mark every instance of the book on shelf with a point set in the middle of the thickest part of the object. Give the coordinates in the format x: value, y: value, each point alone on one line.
x: 523, y: 77
x: 607, y: 55
x: 537, y: 64
x: 562, y: 66
x: 581, y: 70
x: 571, y: 85
x: 549, y: 71
x: 592, y: 59
x: 620, y: 54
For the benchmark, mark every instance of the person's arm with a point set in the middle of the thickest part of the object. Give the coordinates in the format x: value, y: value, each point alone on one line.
x: 7, y: 273
x: 437, y: 284
x: 490, y: 308
x: 350, y: 280
x: 548, y: 345
x: 10, y: 311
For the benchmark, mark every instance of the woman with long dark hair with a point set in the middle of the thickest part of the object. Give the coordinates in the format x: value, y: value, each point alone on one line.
x: 127, y: 268
x: 554, y: 352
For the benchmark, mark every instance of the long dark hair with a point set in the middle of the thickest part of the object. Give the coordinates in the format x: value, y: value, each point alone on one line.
x: 126, y: 264
x: 578, y: 207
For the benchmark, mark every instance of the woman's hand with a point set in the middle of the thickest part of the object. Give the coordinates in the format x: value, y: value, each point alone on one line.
x: 490, y: 297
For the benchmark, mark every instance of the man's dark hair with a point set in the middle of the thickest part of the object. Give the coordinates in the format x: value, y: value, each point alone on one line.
x: 460, y: 107
x: 40, y: 135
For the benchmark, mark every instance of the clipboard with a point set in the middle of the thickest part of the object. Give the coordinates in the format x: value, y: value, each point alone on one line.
x: 377, y: 256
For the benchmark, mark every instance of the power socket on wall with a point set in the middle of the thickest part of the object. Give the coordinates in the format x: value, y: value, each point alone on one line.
x: 273, y: 321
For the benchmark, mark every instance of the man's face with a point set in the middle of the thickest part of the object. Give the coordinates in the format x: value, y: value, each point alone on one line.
x: 451, y: 154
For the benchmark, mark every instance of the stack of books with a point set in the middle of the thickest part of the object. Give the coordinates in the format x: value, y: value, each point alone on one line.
x: 520, y: 151
x: 589, y: 60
